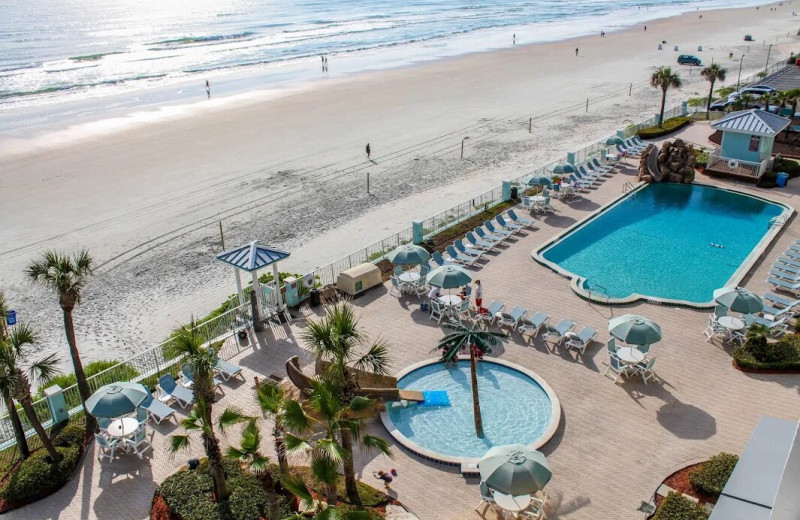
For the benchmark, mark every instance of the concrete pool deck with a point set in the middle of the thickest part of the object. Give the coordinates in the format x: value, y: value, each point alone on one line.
x: 615, y: 442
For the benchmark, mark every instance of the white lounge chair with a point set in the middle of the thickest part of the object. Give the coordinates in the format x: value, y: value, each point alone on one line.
x: 791, y: 270
x: 170, y: 390
x: 776, y: 327
x: 531, y: 326
x: 522, y: 221
x: 784, y: 285
x: 227, y: 370
x: 555, y: 335
x: 784, y: 275
x: 481, y: 243
x: 617, y: 366
x: 459, y: 245
x: 582, y: 339
x: 491, y: 311
x: 510, y: 226
x: 459, y: 257
x: 495, y: 231
x: 487, y: 235
x: 156, y: 410
x: 513, y: 318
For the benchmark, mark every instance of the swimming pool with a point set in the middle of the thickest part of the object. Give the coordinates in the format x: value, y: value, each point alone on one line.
x: 673, y: 243
x: 517, y: 407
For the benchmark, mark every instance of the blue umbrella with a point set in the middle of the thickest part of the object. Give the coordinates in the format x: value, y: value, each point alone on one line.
x: 540, y: 180
x: 408, y: 254
x: 634, y: 329
x: 739, y: 299
x: 514, y: 469
x: 449, y: 277
x: 116, y: 399
x: 561, y: 168
x: 612, y: 141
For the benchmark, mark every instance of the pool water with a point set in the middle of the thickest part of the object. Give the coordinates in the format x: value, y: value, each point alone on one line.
x: 514, y: 408
x: 671, y: 241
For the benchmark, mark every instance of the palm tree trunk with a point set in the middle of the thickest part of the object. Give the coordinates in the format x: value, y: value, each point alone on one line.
x: 27, y: 405
x: 663, y: 102
x: 268, y: 483
x: 19, y: 431
x: 349, y: 470
x: 216, y: 470
x: 77, y: 366
x: 280, y: 449
x: 476, y: 404
x: 708, y: 106
x: 330, y: 494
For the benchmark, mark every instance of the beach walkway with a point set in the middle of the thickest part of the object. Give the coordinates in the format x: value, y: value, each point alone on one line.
x: 615, y: 443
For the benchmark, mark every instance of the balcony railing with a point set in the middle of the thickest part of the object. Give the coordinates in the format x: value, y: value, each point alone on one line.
x: 751, y: 169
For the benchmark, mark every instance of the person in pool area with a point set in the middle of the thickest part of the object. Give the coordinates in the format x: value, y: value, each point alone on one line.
x: 385, y: 477
x: 478, y: 295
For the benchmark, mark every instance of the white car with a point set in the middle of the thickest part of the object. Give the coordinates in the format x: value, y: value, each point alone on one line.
x: 759, y: 90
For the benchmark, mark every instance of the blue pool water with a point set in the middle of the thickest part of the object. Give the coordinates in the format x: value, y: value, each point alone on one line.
x: 658, y: 242
x: 515, y: 409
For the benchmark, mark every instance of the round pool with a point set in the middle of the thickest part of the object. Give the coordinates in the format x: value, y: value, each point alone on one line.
x: 517, y: 407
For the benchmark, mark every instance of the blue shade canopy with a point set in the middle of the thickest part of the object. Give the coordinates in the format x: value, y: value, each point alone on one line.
x: 116, y: 399
x: 561, y: 168
x: 252, y: 257
x: 449, y: 277
x: 408, y: 254
x: 515, y: 469
x: 739, y: 299
x: 612, y: 140
x: 634, y: 329
x: 539, y: 180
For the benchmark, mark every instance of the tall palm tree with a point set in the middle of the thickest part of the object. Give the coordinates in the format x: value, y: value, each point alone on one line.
x: 3, y: 312
x: 297, y: 487
x: 200, y: 361
x: 664, y: 78
x: 276, y: 405
x: 67, y: 276
x: 712, y: 73
x: 249, y: 453
x: 743, y: 102
x: 15, y: 382
x: 337, y: 339
x: 336, y: 417
x: 479, y: 342
x: 8, y: 401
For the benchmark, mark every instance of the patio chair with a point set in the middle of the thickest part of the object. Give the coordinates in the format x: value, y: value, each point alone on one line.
x: 398, y: 270
x: 105, y: 447
x: 646, y: 370
x: 188, y: 378
x: 555, y: 335
x: 491, y: 311
x: 480, y: 243
x: 103, y: 423
x: 226, y: 370
x: 463, y: 309
x: 531, y: 326
x: 156, y: 410
x: 437, y: 312
x: 459, y: 257
x: 720, y: 311
x: 784, y: 285
x: 535, y: 511
x: 513, y: 318
x: 397, y: 287
x: 714, y: 330
x: 486, y: 497
x: 495, y: 231
x: 490, y: 237
x: 582, y: 339
x: 529, y: 222
x: 459, y: 245
x: 138, y: 442
x: 439, y: 259
x: 616, y: 366
x: 424, y: 269
x: 776, y: 327
x: 170, y: 390
x: 793, y: 271
x: 141, y: 415
x: 612, y: 346
x: 644, y: 349
x: 510, y: 226
x: 418, y: 287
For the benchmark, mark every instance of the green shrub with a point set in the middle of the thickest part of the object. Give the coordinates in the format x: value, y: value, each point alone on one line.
x: 776, y: 351
x: 724, y: 92
x: 71, y: 435
x: 788, y: 166
x: 700, y: 158
x: 188, y: 493
x: 711, y: 476
x: 677, y: 507
x: 745, y: 359
x: 122, y: 373
x: 669, y: 126
x: 37, y: 475
x: 698, y: 102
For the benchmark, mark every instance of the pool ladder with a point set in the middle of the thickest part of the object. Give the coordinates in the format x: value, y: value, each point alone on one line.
x: 598, y: 286
x: 628, y: 187
x: 779, y: 221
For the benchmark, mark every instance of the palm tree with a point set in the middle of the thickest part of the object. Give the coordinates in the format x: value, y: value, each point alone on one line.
x: 337, y: 339
x: 297, y: 487
x: 712, y: 73
x: 664, y: 78
x: 743, y: 102
x: 479, y: 342
x: 276, y: 405
x: 200, y: 361
x: 339, y: 419
x: 249, y: 453
x: 16, y: 383
x: 67, y: 276
x: 19, y: 431
x: 3, y: 312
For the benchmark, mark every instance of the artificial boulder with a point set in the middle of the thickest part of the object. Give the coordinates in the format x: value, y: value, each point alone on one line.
x: 673, y: 163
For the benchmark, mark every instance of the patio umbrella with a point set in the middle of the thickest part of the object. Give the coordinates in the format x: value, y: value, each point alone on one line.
x: 408, y: 254
x: 634, y: 329
x: 612, y: 141
x: 449, y: 277
x: 739, y: 299
x: 515, y: 469
x: 561, y: 168
x: 116, y: 399
x: 540, y: 180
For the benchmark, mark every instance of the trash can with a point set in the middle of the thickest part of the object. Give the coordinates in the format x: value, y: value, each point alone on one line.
x: 314, y: 298
x: 514, y: 192
x: 781, y: 179
x: 11, y: 318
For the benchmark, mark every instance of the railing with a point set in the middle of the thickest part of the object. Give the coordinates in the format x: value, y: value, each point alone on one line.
x: 736, y: 166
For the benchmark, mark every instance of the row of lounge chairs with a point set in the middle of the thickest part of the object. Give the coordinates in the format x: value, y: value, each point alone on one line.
x: 785, y: 272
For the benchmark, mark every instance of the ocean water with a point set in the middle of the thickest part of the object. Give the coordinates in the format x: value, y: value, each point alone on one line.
x: 672, y: 241
x: 53, y: 51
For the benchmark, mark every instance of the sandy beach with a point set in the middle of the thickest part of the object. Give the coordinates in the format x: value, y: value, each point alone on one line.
x: 145, y: 196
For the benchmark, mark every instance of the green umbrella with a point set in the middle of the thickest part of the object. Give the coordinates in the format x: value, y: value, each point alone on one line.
x: 540, y: 180
x: 408, y: 254
x: 515, y: 469
x: 634, y: 329
x: 449, y: 277
x: 739, y: 299
x: 612, y: 141
x: 116, y: 399
x: 561, y: 168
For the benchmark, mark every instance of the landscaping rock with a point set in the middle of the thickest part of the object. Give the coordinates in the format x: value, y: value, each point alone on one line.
x: 674, y: 163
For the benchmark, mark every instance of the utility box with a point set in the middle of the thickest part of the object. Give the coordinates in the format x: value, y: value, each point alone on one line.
x: 359, y: 278
x: 292, y: 294
x: 56, y: 403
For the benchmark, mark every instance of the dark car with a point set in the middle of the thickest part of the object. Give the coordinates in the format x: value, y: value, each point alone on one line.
x: 688, y: 59
x: 720, y: 106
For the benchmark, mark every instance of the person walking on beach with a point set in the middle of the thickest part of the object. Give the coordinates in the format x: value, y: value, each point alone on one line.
x: 369, y: 151
x: 208, y: 89
x: 514, y: 39
x: 576, y: 51
x: 645, y: 28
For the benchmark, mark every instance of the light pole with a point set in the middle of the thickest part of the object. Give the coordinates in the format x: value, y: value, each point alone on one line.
x: 740, y: 73
x: 767, y: 64
x: 462, y: 146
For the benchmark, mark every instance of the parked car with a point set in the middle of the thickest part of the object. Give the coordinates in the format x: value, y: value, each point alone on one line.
x: 733, y: 96
x: 748, y: 38
x: 720, y: 106
x: 759, y: 90
x: 688, y: 59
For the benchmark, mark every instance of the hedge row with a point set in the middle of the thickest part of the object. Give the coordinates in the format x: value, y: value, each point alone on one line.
x: 758, y: 353
x: 669, y: 126
x: 677, y: 507
x: 712, y: 475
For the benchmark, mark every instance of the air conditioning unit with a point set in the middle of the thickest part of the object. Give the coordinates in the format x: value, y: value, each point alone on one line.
x: 309, y: 281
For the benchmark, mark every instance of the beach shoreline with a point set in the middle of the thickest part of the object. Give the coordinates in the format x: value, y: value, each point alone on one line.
x: 291, y: 171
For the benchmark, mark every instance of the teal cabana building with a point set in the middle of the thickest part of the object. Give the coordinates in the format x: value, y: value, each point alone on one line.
x: 746, y: 146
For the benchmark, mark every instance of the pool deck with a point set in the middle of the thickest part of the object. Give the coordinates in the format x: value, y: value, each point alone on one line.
x: 615, y: 442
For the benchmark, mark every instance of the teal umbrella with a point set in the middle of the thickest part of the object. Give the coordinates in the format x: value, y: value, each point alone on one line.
x: 449, y: 277
x: 540, y: 180
x: 612, y: 141
x: 561, y: 168
x: 515, y: 469
x: 408, y: 254
x: 116, y: 399
x: 739, y: 299
x: 634, y: 329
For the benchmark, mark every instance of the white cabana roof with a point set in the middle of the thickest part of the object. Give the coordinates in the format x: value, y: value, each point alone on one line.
x: 752, y: 122
x: 252, y: 257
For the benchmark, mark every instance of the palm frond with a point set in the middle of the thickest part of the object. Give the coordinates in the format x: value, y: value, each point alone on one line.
x: 325, y: 470
x: 360, y: 403
x: 231, y: 416
x: 259, y: 462
x: 297, y: 487
x: 21, y: 337
x: 177, y: 443
x: 331, y: 450
x: 372, y: 443
x: 376, y: 359
x: 45, y: 369
x: 296, y: 444
x: 251, y: 437
x: 235, y: 453
x: 270, y: 398
x: 294, y: 417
